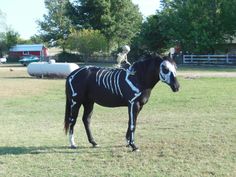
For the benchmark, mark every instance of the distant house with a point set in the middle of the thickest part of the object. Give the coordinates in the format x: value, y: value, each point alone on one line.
x: 20, y: 50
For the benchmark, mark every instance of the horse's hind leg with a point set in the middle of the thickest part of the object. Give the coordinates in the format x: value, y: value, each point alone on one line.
x: 88, y: 110
x: 72, y: 119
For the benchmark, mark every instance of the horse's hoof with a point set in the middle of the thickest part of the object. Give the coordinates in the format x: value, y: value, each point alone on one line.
x: 95, y: 146
x: 127, y: 145
x: 73, y: 147
x: 136, y: 150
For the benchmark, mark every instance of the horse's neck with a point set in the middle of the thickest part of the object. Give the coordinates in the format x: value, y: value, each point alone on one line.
x: 151, y: 82
x: 147, y: 77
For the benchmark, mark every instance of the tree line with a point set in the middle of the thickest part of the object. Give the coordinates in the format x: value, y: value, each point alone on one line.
x: 90, y: 26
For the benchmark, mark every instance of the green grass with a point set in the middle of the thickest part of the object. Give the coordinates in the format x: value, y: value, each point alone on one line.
x: 189, y: 133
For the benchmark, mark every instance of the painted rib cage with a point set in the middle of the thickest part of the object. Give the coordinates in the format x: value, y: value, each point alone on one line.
x: 110, y: 80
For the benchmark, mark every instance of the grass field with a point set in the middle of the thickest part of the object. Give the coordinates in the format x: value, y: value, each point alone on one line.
x: 189, y: 133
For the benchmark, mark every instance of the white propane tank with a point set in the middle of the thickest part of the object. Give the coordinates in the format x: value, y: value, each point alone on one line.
x: 51, y: 69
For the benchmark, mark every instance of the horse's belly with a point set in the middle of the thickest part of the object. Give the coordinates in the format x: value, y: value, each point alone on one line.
x: 109, y: 100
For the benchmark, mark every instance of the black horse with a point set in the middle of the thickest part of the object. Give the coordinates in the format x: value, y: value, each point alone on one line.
x: 114, y: 87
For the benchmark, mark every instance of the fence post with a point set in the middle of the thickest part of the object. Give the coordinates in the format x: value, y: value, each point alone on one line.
x: 227, y: 59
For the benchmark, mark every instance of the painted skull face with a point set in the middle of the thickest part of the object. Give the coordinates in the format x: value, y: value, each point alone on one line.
x: 168, y: 75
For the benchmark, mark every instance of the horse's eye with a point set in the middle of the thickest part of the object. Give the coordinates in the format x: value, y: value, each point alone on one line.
x: 165, y: 70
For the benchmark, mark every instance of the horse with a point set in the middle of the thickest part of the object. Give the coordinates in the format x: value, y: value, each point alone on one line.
x: 115, y: 87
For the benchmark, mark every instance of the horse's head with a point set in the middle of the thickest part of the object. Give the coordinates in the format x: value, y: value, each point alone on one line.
x: 168, y: 74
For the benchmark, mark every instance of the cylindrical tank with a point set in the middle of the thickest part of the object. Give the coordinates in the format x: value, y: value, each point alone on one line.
x: 51, y: 69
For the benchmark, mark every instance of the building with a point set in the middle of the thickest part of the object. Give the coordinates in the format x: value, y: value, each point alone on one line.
x: 20, y: 50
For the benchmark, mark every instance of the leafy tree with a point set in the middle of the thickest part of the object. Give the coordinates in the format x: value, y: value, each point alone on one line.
x: 127, y: 21
x: 55, y: 27
x: 3, y: 45
x: 87, y: 42
x: 11, y: 38
x: 152, y: 36
x: 119, y: 21
x: 36, y: 39
x: 7, y: 40
x: 199, y: 25
x: 87, y: 14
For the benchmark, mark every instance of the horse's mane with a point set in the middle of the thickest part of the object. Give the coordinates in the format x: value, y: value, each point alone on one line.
x: 146, y: 68
x: 144, y: 61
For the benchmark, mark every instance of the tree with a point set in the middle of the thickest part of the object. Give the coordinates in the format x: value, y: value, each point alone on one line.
x: 7, y: 40
x: 11, y: 38
x: 119, y: 21
x: 87, y: 42
x: 199, y: 25
x: 36, y: 39
x: 3, y: 47
x: 152, y: 37
x: 127, y: 21
x: 55, y: 27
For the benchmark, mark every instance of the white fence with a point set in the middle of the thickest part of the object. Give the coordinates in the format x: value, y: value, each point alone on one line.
x: 209, y: 59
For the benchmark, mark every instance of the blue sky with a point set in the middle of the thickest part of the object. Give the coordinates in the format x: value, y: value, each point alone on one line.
x: 22, y: 14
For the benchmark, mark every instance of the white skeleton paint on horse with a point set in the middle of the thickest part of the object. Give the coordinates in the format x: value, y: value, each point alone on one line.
x: 114, y: 87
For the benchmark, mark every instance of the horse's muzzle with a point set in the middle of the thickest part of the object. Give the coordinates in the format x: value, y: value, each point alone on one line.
x: 175, y: 85
x: 175, y: 89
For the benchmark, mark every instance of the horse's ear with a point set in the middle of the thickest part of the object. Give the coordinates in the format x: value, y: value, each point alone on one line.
x: 166, y: 58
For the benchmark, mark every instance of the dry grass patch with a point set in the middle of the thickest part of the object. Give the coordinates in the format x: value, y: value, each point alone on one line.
x: 16, y: 82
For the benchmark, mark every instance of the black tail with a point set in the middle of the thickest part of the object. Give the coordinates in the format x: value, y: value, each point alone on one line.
x: 67, y: 111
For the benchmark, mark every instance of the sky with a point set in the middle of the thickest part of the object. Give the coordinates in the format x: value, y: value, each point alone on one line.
x: 21, y: 15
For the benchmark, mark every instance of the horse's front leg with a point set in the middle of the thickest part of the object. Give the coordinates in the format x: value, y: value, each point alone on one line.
x: 134, y: 108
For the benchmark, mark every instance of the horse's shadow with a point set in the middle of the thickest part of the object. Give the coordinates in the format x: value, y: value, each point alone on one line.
x: 5, y: 150
x: 26, y: 150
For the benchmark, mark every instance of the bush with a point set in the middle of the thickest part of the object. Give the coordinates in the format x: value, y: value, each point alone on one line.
x: 69, y: 57
x: 87, y: 42
x: 12, y: 59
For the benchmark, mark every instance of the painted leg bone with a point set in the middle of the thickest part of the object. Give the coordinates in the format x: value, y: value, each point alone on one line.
x: 72, y: 141
x: 74, y: 113
x: 133, y: 113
